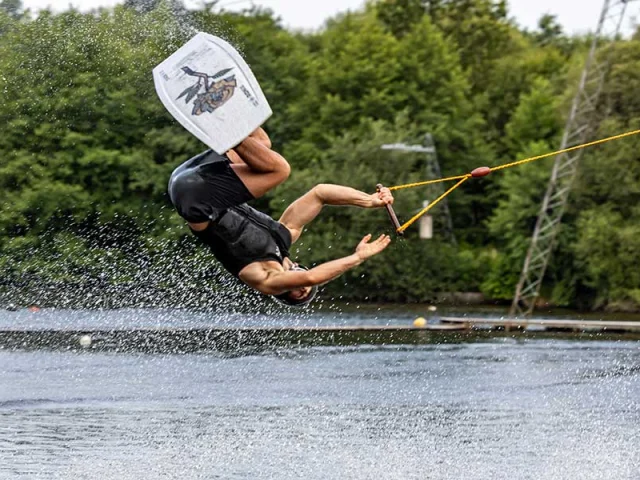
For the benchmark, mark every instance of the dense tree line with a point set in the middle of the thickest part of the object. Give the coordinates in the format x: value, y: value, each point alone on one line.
x: 87, y: 148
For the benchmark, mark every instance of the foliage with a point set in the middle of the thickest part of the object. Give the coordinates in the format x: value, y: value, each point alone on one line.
x: 87, y: 148
x: 532, y: 131
x: 13, y: 8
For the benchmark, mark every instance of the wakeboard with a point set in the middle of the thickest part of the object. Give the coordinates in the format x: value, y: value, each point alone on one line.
x: 208, y: 87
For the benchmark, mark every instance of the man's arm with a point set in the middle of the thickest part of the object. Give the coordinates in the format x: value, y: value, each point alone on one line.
x: 277, y: 282
x: 307, y: 207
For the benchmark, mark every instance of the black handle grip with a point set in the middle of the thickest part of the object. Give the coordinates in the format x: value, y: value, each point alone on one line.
x: 392, y: 215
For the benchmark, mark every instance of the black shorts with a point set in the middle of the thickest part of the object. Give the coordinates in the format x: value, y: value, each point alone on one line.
x: 203, y: 187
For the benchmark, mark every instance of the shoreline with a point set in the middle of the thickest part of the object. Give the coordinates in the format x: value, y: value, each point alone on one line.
x: 328, y: 306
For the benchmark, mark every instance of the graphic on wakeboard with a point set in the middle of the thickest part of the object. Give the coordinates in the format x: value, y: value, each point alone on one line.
x: 208, y: 87
x: 215, y: 94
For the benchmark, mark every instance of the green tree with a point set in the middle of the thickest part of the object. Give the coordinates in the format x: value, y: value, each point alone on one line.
x: 13, y: 8
x: 480, y: 29
x: 549, y: 29
x: 87, y: 147
x: 399, y: 16
x: 605, y: 204
x: 532, y: 131
x: 146, y: 6
x: 86, y: 141
x: 607, y: 192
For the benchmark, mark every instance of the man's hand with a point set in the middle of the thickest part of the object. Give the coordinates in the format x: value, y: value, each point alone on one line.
x: 381, y: 198
x: 366, y: 250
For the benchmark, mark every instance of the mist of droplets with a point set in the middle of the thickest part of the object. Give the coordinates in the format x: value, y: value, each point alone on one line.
x: 141, y: 273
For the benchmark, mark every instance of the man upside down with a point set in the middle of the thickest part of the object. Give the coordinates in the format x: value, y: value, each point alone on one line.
x: 210, y: 192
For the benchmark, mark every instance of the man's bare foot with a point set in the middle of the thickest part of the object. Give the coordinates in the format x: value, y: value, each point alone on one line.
x: 234, y: 157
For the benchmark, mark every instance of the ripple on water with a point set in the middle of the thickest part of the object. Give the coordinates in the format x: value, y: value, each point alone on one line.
x: 500, y: 410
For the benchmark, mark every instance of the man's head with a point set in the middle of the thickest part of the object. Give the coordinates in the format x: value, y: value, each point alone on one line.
x: 298, y: 297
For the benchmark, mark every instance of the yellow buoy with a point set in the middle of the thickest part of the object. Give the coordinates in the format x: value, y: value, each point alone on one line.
x: 420, y: 322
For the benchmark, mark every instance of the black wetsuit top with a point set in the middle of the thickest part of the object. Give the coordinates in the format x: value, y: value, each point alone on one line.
x: 242, y: 235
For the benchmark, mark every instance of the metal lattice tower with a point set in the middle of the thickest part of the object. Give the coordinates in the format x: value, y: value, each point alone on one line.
x: 579, y: 127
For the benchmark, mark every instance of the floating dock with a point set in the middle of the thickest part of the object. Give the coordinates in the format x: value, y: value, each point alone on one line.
x: 250, y: 340
x: 541, y: 325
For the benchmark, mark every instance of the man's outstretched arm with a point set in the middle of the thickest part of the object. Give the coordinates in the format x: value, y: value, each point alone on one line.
x: 276, y: 283
x: 307, y: 207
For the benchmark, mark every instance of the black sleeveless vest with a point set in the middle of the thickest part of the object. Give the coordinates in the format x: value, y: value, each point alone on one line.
x: 242, y: 235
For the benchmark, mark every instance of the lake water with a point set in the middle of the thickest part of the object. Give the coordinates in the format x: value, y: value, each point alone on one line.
x: 495, y: 408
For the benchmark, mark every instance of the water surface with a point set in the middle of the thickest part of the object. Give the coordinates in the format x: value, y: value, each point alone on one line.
x: 496, y: 408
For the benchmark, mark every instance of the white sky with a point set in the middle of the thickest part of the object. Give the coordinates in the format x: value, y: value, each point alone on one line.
x: 575, y: 15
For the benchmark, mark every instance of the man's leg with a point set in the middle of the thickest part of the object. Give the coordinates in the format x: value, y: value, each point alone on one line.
x: 260, y: 135
x: 259, y: 167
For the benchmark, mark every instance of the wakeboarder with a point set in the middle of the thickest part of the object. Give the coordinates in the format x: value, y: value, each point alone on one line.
x: 210, y: 191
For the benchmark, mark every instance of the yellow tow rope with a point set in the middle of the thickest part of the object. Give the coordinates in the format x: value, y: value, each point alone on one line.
x: 483, y: 171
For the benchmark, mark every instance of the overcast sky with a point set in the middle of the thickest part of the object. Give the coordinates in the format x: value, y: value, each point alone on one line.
x: 575, y: 15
